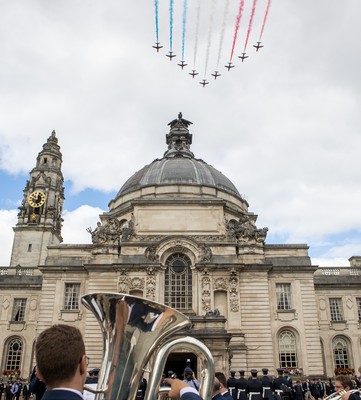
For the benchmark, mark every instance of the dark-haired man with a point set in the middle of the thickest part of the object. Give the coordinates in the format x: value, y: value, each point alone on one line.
x: 344, y: 383
x: 61, y: 362
x: 223, y: 385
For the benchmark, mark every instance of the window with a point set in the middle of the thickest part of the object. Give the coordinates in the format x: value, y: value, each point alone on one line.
x: 287, y: 349
x: 14, y: 353
x: 340, y: 352
x: 18, y: 310
x: 178, y: 282
x: 71, y: 300
x: 358, y: 300
x: 336, y: 310
x: 283, y: 292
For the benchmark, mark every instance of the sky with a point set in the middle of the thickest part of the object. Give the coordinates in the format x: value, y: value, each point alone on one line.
x: 283, y: 126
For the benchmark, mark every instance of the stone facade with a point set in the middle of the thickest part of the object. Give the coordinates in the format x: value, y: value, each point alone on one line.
x: 178, y: 222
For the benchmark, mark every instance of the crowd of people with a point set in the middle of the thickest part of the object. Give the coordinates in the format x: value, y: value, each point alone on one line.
x: 282, y: 387
x: 61, y: 373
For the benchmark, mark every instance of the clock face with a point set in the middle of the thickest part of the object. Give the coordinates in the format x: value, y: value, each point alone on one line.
x: 36, y: 199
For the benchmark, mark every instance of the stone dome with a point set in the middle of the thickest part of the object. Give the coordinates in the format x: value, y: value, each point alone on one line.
x: 178, y: 166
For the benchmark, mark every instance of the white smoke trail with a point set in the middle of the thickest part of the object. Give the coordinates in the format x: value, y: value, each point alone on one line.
x: 210, y: 31
x: 226, y: 7
x: 197, y: 32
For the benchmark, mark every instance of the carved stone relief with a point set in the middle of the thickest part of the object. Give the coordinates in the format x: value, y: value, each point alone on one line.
x: 151, y: 253
x: 150, y: 288
x: 233, y: 292
x: 206, y: 291
x: 205, y: 254
x: 112, y: 231
x: 136, y: 284
x: 245, y: 231
x: 220, y: 283
x: 123, y: 282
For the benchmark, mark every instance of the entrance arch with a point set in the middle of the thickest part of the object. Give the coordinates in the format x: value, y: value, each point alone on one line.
x: 176, y: 362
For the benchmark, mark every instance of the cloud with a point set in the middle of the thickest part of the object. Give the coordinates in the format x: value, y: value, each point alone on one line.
x: 77, y: 221
x: 284, y: 125
x: 8, y: 219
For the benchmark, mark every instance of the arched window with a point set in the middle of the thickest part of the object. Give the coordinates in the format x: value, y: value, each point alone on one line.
x: 340, y: 352
x: 14, y: 354
x: 178, y: 282
x: 287, y: 349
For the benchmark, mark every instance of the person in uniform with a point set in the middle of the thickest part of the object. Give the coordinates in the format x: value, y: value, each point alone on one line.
x: 65, y: 375
x: 223, y: 388
x: 288, y: 378
x: 241, y: 385
x: 278, y: 384
x: 254, y: 387
x: 2, y: 387
x: 216, y: 394
x: 182, y: 390
x: 231, y: 385
x: 266, y: 384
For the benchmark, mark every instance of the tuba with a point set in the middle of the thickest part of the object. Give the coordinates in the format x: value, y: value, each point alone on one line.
x: 338, y: 395
x: 136, y: 334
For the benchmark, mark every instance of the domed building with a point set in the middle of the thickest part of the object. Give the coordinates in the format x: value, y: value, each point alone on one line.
x: 179, y: 233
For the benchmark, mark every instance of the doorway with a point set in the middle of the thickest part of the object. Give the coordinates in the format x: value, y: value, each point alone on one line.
x: 176, y: 362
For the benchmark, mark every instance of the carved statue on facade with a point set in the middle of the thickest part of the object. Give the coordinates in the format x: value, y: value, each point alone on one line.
x: 213, y: 313
x: 245, y: 231
x: 180, y: 120
x: 206, y: 253
x: 151, y: 253
x: 112, y: 231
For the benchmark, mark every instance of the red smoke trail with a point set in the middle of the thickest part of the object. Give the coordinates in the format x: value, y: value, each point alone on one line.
x: 250, y: 23
x: 264, y: 19
x: 238, y: 21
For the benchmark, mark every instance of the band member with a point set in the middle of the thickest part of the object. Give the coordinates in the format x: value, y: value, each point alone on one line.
x: 223, y: 386
x: 344, y: 383
x: 241, y: 385
x: 266, y: 384
x: 231, y: 385
x: 254, y: 387
x: 278, y: 384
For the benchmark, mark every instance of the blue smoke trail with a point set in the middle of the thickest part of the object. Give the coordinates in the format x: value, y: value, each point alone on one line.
x: 184, y: 26
x: 170, y: 24
x: 156, y: 19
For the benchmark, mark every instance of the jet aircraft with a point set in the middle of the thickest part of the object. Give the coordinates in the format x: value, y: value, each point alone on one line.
x: 182, y: 64
x: 229, y: 66
x: 216, y: 74
x: 193, y: 73
x: 170, y: 55
x: 257, y: 46
x: 204, y: 83
x: 157, y: 46
x: 243, y: 56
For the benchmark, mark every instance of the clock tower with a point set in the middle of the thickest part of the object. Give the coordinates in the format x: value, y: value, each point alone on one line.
x: 39, y: 218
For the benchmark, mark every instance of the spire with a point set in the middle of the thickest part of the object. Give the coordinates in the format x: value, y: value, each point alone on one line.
x: 179, y: 139
x: 44, y: 191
